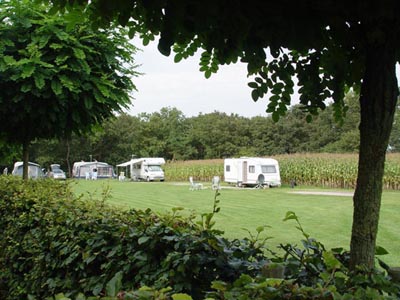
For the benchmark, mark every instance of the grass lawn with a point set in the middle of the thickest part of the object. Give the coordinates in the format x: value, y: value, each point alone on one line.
x: 325, y: 217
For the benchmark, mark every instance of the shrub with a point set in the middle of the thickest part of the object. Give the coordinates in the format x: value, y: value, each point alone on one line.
x: 55, y: 242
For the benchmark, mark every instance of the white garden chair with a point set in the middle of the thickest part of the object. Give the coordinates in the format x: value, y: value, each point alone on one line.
x: 194, y: 186
x: 215, y: 183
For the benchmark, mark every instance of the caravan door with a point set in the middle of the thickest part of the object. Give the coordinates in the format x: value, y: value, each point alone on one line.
x: 244, y: 172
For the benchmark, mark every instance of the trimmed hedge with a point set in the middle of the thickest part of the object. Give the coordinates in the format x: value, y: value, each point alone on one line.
x: 55, y: 242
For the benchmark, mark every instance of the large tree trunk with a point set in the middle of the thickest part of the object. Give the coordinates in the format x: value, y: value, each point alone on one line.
x: 378, y: 102
x: 25, y: 159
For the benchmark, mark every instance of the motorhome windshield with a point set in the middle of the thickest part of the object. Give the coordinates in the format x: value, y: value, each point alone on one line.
x: 268, y: 169
x: 154, y: 168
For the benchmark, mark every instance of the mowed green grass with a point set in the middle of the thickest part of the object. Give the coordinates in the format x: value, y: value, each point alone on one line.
x: 327, y: 218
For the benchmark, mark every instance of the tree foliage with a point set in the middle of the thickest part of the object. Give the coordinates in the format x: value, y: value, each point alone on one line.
x: 205, y: 136
x: 56, y: 78
x: 330, y: 46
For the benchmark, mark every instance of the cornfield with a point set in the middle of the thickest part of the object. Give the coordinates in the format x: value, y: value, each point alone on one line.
x: 200, y: 170
x: 326, y: 170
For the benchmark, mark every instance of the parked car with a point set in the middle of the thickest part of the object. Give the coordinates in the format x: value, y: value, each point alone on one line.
x: 57, y: 174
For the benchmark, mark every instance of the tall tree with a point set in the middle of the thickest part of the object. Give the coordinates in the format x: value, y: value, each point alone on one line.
x: 331, y: 45
x: 57, y: 78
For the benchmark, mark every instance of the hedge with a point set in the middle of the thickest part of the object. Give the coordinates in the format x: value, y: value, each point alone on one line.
x: 58, y: 246
x: 53, y: 241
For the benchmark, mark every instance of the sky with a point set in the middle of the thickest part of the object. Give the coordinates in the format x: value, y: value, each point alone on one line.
x: 181, y: 85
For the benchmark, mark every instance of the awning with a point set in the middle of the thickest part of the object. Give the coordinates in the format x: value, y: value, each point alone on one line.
x: 131, y: 162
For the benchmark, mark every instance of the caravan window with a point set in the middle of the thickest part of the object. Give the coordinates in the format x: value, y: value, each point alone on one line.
x: 252, y: 169
x: 228, y: 168
x: 268, y: 169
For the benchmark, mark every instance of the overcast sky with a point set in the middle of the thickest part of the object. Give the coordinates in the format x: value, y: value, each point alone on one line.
x: 183, y: 86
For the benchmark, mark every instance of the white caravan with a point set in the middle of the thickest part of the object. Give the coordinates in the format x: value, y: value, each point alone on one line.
x: 34, y: 170
x: 92, y: 170
x: 146, y: 168
x: 252, y: 171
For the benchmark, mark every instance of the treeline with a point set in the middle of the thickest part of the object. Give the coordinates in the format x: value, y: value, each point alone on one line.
x: 171, y: 135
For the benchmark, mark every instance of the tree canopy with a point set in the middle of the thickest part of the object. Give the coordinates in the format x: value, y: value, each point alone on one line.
x: 330, y: 46
x: 57, y: 78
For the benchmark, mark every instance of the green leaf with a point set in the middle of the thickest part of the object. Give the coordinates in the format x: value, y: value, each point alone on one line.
x: 275, y: 116
x: 143, y: 239
x: 380, y: 251
x: 9, y: 60
x: 27, y: 70
x: 178, y: 57
x: 56, y: 46
x: 259, y: 80
x: 203, y: 68
x: 181, y: 297
x: 88, y: 103
x: 331, y: 261
x: 104, y: 88
x: 79, y: 53
x: 61, y: 297
x: 253, y: 85
x: 56, y: 86
x: 274, y: 98
x: 114, y: 285
x: 255, y: 95
x: 260, y: 229
x: 61, y: 59
x: 26, y: 87
x: 263, y: 75
x: 146, y: 41
x: 290, y: 215
x: 97, y: 289
x: 67, y: 82
x: 207, y: 74
x: 219, y: 286
x: 39, y: 81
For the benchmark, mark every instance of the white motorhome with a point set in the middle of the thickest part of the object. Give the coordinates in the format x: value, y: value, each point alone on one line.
x: 146, y: 168
x: 252, y: 171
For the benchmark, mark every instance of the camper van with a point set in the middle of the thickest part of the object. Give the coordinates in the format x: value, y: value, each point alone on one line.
x: 34, y: 170
x: 252, y: 171
x: 146, y: 168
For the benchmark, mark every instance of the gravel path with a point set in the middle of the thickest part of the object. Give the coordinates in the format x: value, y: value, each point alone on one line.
x: 344, y: 194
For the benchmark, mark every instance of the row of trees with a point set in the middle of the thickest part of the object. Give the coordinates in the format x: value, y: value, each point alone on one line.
x: 169, y: 134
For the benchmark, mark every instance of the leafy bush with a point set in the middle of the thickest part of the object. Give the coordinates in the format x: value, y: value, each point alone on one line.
x: 55, y: 242
x: 58, y: 246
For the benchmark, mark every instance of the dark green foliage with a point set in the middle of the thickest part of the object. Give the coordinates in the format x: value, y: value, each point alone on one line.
x: 58, y: 78
x: 311, y: 272
x: 171, y: 135
x: 54, y: 242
